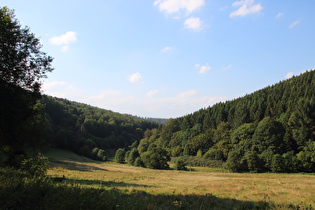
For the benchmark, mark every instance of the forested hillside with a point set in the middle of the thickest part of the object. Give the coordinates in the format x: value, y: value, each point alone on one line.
x: 272, y: 129
x: 89, y: 130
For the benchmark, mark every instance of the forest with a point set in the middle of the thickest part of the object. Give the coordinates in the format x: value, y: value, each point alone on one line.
x: 90, y: 131
x: 272, y: 129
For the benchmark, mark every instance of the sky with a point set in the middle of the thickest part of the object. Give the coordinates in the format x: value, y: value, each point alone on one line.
x: 168, y: 58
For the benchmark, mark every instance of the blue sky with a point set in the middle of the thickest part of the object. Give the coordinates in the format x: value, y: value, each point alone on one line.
x: 168, y: 58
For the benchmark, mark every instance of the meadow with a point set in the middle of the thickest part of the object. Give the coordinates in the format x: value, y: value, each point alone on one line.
x: 266, y: 190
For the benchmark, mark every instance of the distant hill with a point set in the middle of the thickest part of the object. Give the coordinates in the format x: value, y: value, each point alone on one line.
x: 151, y: 119
x: 272, y: 129
x: 88, y: 130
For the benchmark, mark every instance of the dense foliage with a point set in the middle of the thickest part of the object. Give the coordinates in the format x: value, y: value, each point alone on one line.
x: 272, y: 129
x: 91, y: 131
x: 22, y: 66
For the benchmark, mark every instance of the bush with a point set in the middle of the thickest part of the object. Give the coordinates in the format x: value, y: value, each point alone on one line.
x: 138, y: 162
x: 180, y: 164
x: 119, y: 156
x: 197, y: 161
x: 214, y: 154
x: 35, y: 166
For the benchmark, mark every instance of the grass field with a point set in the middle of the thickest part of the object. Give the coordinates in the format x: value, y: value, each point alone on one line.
x: 280, y: 189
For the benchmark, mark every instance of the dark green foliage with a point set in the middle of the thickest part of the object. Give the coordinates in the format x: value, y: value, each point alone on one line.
x: 81, y: 128
x: 23, y: 127
x: 156, y: 158
x: 120, y: 156
x: 234, y: 162
x: 139, y: 162
x: 180, y: 164
x: 133, y: 155
x: 214, y: 154
x: 36, y: 165
x: 272, y: 129
x: 197, y: 161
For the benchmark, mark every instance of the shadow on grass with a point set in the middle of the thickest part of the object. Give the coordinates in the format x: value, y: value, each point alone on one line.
x: 108, y: 184
x: 19, y: 191
x: 70, y: 165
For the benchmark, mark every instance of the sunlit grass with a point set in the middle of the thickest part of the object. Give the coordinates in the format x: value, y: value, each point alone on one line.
x: 281, y: 189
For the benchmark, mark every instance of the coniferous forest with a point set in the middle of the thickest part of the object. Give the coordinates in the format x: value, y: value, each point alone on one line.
x: 272, y: 129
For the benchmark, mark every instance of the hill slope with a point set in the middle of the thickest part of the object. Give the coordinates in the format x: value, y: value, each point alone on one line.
x: 272, y: 129
x: 88, y: 130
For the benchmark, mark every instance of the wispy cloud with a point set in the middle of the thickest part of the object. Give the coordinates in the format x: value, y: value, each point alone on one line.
x: 153, y: 93
x: 292, y: 25
x: 227, y: 67
x: 246, y: 7
x: 135, y: 77
x: 64, y: 39
x: 174, y: 6
x: 279, y: 15
x: 182, y: 103
x: 167, y: 49
x: 203, y: 69
x: 193, y: 23
x: 61, y: 89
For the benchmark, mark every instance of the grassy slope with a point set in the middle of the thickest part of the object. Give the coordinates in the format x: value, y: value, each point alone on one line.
x: 281, y: 189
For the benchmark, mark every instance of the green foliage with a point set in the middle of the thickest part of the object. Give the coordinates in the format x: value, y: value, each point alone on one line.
x: 133, y: 155
x: 120, y: 156
x: 139, y: 162
x: 81, y: 128
x: 199, y: 153
x: 234, y: 162
x: 180, y: 164
x: 36, y: 165
x: 197, y: 161
x: 214, y: 154
x: 23, y: 65
x: 156, y: 158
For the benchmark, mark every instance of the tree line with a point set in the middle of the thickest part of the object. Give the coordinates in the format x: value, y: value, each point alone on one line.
x: 88, y: 130
x: 272, y: 129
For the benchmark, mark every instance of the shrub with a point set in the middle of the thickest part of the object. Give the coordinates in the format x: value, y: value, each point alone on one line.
x: 35, y: 166
x: 119, y: 156
x: 180, y: 164
x: 138, y: 162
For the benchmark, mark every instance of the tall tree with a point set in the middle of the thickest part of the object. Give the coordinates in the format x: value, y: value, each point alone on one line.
x: 22, y: 66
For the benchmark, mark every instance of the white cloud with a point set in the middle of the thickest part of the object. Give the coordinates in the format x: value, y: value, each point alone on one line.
x: 167, y: 49
x: 173, y: 6
x: 203, y: 69
x: 106, y: 94
x: 152, y: 93
x: 65, y: 48
x: 279, y: 15
x: 62, y: 89
x: 289, y: 75
x: 292, y: 25
x: 147, y: 106
x: 223, y: 8
x: 64, y: 40
x: 193, y: 23
x: 227, y: 67
x: 246, y: 7
x: 136, y: 77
